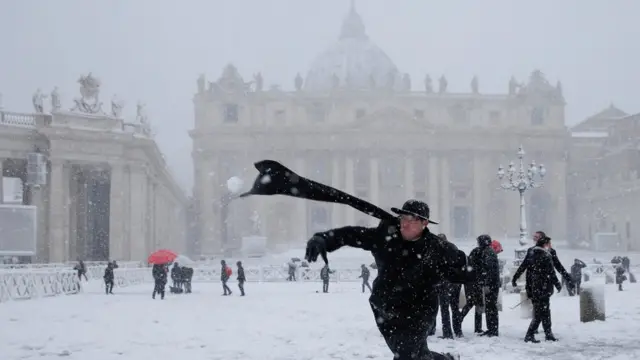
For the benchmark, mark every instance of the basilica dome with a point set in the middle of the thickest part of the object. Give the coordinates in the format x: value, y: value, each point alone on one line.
x: 354, y: 62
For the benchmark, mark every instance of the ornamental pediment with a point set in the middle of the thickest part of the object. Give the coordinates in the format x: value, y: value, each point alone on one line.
x: 390, y: 119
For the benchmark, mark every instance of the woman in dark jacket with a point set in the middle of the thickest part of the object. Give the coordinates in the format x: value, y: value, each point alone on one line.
x: 540, y: 280
x: 159, y: 273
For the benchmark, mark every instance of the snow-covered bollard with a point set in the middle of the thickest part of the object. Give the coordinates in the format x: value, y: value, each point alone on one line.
x: 526, y: 307
x: 500, y: 300
x: 592, y: 305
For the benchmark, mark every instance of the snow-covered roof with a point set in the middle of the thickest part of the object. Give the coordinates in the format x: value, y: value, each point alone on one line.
x: 589, y: 134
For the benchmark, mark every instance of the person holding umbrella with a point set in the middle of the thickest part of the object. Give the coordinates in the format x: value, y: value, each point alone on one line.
x: 160, y: 259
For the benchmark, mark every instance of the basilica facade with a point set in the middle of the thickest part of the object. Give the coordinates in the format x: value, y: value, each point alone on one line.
x: 356, y: 122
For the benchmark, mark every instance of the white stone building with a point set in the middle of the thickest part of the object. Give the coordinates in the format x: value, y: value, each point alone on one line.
x: 357, y: 122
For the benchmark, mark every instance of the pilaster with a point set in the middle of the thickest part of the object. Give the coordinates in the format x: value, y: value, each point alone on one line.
x: 59, y: 211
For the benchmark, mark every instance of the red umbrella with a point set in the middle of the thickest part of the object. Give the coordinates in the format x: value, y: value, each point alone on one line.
x: 162, y: 256
x: 496, y: 246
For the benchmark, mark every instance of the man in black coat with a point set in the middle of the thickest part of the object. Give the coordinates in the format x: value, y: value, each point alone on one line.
x: 109, y: 278
x: 241, y: 277
x: 554, y: 257
x: 449, y: 298
x: 411, y: 261
x: 540, y: 280
x: 364, y: 275
x: 485, y: 268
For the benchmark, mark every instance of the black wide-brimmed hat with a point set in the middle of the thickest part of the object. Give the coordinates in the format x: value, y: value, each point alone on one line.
x: 416, y: 208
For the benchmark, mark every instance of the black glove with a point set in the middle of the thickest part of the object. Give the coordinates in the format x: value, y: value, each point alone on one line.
x: 559, y: 287
x: 514, y: 284
x: 316, y: 246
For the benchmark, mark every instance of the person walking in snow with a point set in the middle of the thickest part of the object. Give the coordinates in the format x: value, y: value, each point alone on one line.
x: 108, y: 278
x: 364, y: 275
x: 540, y: 280
x: 225, y: 274
x: 241, y: 278
x: 159, y: 273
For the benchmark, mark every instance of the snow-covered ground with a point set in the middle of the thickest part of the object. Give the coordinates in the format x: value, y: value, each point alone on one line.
x: 281, y: 321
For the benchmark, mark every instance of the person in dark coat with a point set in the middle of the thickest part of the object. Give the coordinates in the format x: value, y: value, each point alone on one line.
x: 159, y: 273
x: 325, y: 276
x: 554, y: 256
x: 176, y: 276
x: 620, y: 276
x: 411, y: 261
x: 449, y: 298
x: 241, y: 278
x: 224, y: 277
x: 576, y: 275
x: 486, y: 284
x: 364, y: 275
x: 540, y: 280
x: 81, y: 268
x: 108, y: 279
x: 187, y: 276
x: 626, y: 263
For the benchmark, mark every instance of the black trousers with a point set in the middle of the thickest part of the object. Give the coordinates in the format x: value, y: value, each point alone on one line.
x: 108, y: 286
x: 490, y: 304
x: 405, y: 334
x: 225, y: 287
x: 365, y: 282
x: 241, y: 287
x: 541, y: 314
x: 491, y: 309
x: 474, y: 300
x: 158, y: 288
x: 450, y: 299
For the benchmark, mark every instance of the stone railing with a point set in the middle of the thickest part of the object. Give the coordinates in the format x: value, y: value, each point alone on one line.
x: 30, y: 284
x: 69, y: 265
x: 17, y: 119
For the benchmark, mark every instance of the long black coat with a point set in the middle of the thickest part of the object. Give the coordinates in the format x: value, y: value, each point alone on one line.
x: 408, y: 271
x: 541, y: 275
x: 485, y: 267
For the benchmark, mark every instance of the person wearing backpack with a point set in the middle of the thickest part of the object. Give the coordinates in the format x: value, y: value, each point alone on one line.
x: 225, y: 274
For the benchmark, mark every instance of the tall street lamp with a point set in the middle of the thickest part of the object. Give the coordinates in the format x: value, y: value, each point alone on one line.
x: 521, y: 180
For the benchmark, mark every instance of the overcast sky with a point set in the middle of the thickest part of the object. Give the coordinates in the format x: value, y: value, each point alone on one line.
x: 153, y: 50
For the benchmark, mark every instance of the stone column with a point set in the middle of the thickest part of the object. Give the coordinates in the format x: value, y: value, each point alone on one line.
x: 210, y: 219
x: 39, y: 200
x: 375, y: 186
x: 337, y: 210
x: 481, y: 166
x: 1, y: 181
x: 408, y: 178
x: 59, y: 211
x: 117, y: 201
x: 73, y: 212
x: 349, y: 187
x: 138, y: 229
x: 445, y: 200
x: 433, y: 188
x: 300, y: 216
x: 151, y: 215
x: 558, y: 191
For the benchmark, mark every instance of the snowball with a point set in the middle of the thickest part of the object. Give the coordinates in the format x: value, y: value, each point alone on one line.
x: 234, y: 184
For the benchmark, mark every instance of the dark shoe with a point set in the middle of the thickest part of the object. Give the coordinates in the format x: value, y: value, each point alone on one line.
x: 450, y: 356
x: 489, y: 333
x: 479, y: 332
x: 459, y: 335
x: 531, y: 339
x: 550, y: 337
x: 450, y: 337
